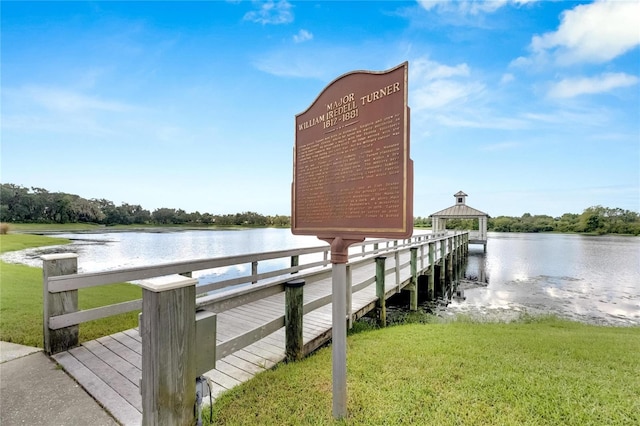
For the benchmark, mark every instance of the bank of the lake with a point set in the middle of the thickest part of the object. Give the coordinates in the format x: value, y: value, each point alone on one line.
x: 535, y: 371
x: 21, y: 297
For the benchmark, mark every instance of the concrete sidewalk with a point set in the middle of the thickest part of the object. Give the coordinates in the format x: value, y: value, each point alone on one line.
x: 35, y: 391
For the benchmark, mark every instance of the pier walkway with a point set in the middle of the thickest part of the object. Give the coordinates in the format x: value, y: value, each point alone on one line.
x: 250, y: 312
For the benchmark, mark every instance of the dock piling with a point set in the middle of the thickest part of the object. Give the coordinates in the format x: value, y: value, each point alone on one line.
x: 413, y: 287
x: 294, y: 345
x: 380, y: 293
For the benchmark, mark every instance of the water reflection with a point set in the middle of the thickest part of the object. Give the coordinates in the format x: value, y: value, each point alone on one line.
x: 589, y: 279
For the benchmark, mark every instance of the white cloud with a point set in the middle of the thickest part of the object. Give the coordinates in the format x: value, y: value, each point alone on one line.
x: 290, y: 63
x: 442, y: 93
x: 592, y: 33
x: 588, y: 116
x: 571, y: 87
x: 450, y: 96
x: 62, y: 100
x: 302, y: 36
x: 502, y: 146
x: 480, y: 119
x: 270, y: 12
x: 468, y: 7
x: 424, y: 69
x: 437, y: 85
x: 507, y: 78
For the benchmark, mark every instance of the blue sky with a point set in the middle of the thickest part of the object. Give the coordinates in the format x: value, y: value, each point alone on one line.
x: 527, y: 106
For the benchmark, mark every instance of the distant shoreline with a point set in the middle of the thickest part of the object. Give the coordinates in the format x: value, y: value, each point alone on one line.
x: 47, y: 229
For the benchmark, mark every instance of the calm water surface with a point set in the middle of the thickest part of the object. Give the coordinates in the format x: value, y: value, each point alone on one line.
x: 115, y: 250
x: 589, y: 279
x: 585, y: 278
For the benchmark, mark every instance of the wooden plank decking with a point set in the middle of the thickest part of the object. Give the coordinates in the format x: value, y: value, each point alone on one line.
x: 109, y: 368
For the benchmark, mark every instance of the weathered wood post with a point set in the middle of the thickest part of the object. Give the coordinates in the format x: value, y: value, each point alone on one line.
x: 254, y: 270
x: 59, y: 303
x: 413, y: 290
x: 449, y: 259
x: 457, y: 260
x: 438, y: 286
x: 293, y: 320
x: 443, y: 265
x: 295, y: 261
x: 396, y: 259
x: 466, y: 244
x: 168, y: 332
x: 380, y: 292
x: 455, y: 247
x: 451, y: 248
x: 432, y: 271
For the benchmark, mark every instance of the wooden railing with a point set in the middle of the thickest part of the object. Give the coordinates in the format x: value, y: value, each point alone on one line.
x: 62, y: 318
x: 65, y: 280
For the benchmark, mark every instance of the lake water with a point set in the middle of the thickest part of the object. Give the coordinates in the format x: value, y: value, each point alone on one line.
x: 116, y: 250
x: 585, y: 278
x: 594, y: 279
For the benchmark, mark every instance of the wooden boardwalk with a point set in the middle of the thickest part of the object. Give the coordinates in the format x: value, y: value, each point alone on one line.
x: 110, y: 368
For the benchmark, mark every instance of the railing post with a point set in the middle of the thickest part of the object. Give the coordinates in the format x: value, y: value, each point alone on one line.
x: 59, y: 303
x: 380, y: 292
x: 443, y: 265
x: 294, y: 346
x: 413, y: 304
x: 466, y: 244
x: 454, y: 250
x: 295, y: 261
x: 168, y: 334
x: 449, y: 273
x: 432, y: 273
x: 396, y: 257
x: 254, y: 270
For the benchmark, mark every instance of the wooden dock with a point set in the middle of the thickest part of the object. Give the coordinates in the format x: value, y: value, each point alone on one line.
x: 249, y: 333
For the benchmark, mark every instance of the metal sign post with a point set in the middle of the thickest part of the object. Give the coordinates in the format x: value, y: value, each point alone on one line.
x: 352, y: 179
x: 339, y: 258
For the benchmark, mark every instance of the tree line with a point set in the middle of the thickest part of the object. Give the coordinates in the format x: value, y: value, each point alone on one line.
x: 595, y: 220
x: 37, y: 205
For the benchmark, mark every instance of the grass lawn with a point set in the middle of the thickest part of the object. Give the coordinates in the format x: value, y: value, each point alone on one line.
x: 53, y: 227
x: 21, y: 298
x: 537, y: 372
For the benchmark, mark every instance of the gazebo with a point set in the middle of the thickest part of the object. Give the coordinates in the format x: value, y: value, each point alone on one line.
x: 460, y: 210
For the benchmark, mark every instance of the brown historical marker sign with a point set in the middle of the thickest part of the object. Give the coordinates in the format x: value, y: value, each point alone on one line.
x: 352, y: 175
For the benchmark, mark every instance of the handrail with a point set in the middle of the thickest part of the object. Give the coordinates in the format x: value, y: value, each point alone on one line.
x: 267, y: 282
